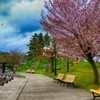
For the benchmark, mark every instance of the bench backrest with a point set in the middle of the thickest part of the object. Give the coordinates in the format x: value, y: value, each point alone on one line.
x: 60, y: 76
x: 29, y: 70
x: 70, y: 78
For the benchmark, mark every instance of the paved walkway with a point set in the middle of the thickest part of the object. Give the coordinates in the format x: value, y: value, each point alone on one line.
x: 39, y: 87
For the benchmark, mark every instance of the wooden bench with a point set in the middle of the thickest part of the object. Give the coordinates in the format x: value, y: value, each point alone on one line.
x: 5, y: 79
x: 30, y: 71
x: 33, y: 71
x: 1, y: 82
x: 95, y: 91
x: 59, y: 77
x: 69, y: 80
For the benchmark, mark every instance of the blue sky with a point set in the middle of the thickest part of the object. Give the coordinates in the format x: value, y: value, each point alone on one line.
x: 19, y: 19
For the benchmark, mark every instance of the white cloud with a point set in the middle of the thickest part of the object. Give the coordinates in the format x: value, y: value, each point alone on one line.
x: 6, y: 31
x: 28, y: 9
x: 20, y: 14
x: 17, y: 41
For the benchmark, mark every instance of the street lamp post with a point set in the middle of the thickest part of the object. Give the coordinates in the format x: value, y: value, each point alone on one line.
x: 55, y: 58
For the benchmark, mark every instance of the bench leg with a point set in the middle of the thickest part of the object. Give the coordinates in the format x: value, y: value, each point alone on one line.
x: 57, y: 81
x: 53, y: 79
x: 68, y: 84
x: 60, y: 82
x: 2, y: 83
x: 73, y: 85
x: 93, y: 96
x: 63, y: 83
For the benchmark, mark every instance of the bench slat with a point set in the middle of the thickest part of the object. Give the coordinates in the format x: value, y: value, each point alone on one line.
x: 95, y: 91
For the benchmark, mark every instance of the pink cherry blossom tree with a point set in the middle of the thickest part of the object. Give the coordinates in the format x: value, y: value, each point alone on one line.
x: 75, y: 26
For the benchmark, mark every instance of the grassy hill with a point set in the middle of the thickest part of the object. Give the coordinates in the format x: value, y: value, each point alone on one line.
x: 83, y: 71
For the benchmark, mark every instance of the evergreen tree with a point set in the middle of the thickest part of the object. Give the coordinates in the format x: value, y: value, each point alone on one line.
x: 32, y: 45
x: 47, y: 39
x: 37, y: 43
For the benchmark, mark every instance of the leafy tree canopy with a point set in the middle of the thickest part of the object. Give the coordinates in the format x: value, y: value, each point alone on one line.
x: 37, y: 43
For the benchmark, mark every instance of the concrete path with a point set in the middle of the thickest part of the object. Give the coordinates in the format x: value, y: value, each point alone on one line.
x: 39, y: 87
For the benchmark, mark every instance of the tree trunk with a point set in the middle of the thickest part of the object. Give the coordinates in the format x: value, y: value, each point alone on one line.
x: 94, y: 69
x: 52, y: 64
x: 67, y: 60
x: 3, y: 68
x: 14, y: 69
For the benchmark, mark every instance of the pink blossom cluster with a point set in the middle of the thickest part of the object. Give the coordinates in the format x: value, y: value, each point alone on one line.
x: 19, y: 65
x: 74, y: 25
x: 47, y: 65
x: 48, y: 53
x: 34, y: 66
x: 60, y: 53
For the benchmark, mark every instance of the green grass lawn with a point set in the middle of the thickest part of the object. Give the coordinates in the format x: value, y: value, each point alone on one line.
x: 83, y: 72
